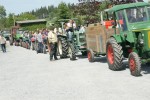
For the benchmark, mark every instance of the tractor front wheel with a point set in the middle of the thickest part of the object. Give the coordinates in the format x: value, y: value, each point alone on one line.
x: 114, y: 55
x: 62, y: 47
x: 72, y: 52
x: 90, y: 55
x: 134, y: 64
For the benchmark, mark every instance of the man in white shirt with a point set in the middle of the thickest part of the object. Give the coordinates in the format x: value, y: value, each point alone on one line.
x: 3, y: 43
x: 52, y: 41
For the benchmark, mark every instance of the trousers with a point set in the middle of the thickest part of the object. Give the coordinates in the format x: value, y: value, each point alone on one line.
x: 3, y: 47
x: 53, y: 52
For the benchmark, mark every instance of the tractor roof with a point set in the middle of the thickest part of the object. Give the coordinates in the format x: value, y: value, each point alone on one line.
x: 125, y: 6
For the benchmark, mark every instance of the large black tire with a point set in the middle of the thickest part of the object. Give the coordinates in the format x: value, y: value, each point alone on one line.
x: 72, y: 52
x: 62, y: 47
x: 114, y: 55
x: 134, y: 64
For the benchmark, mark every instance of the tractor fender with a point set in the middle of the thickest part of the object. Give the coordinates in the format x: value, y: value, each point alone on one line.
x: 117, y: 37
x: 130, y: 38
x: 124, y: 37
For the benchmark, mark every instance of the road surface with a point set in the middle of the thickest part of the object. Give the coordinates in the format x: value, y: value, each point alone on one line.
x: 25, y: 75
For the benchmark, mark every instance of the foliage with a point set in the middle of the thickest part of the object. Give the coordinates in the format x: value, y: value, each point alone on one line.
x: 25, y: 16
x: 63, y: 11
x: 10, y: 20
x: 86, y: 11
x: 33, y: 27
x: 2, y: 12
x: 2, y: 17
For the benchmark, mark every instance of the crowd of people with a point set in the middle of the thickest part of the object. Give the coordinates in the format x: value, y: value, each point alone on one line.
x: 40, y: 37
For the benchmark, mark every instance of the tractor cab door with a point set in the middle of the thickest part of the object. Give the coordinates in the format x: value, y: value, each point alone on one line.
x: 121, y: 21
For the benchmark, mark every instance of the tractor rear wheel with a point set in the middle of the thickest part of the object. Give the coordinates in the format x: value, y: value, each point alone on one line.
x: 62, y: 47
x: 90, y: 55
x: 134, y: 64
x: 114, y: 55
x: 72, y: 52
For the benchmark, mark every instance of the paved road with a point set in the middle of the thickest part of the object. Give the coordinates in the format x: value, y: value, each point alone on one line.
x: 25, y: 75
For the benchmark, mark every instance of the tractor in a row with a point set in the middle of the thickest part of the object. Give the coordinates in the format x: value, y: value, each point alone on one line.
x: 71, y: 42
x: 16, y: 36
x: 124, y: 32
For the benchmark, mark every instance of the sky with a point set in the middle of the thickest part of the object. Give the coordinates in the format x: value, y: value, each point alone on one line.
x: 18, y: 6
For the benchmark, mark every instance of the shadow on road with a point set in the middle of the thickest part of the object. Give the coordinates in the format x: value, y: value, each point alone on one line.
x: 101, y: 59
x: 145, y: 68
x: 81, y: 57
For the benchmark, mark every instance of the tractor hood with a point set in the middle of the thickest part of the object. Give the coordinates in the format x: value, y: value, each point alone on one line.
x: 139, y: 26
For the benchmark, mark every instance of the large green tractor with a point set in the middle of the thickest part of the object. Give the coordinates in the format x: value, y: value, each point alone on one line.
x: 16, y: 36
x: 19, y: 37
x: 71, y: 42
x: 126, y: 35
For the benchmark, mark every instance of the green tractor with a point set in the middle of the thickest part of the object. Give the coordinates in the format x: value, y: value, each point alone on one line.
x: 124, y: 34
x: 71, y: 42
x: 6, y: 34
x: 16, y: 36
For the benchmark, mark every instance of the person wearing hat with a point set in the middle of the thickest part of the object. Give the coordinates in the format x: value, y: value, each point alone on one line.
x: 52, y: 42
x: 3, y: 43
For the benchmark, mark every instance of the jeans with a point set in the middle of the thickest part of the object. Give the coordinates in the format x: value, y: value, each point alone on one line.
x: 3, y: 47
x: 53, y: 51
x: 40, y: 47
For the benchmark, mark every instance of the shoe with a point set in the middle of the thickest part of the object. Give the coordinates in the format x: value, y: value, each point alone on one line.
x: 56, y: 58
x: 51, y: 59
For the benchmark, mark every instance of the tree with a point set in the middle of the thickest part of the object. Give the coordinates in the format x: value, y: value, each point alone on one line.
x: 2, y: 12
x: 63, y: 11
x: 2, y: 17
x: 25, y: 16
x: 88, y: 9
x: 9, y: 20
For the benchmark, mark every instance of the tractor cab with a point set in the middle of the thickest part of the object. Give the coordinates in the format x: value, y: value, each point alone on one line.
x: 16, y: 35
x: 127, y: 17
